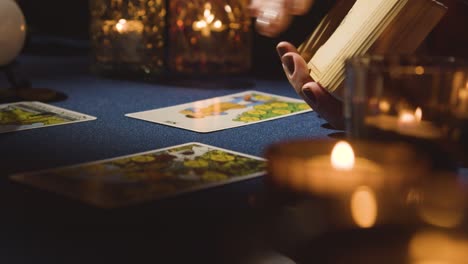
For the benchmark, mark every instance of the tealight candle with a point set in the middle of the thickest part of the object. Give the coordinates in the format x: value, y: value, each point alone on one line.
x: 326, y: 168
x: 407, y: 123
x: 415, y: 99
x: 209, y: 37
x: 128, y: 37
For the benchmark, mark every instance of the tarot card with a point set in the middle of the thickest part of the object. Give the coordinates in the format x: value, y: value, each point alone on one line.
x: 225, y: 112
x: 146, y: 176
x: 29, y: 115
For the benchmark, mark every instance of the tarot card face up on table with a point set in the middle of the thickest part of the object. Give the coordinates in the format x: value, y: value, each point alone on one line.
x: 147, y: 176
x: 225, y: 112
x: 30, y: 115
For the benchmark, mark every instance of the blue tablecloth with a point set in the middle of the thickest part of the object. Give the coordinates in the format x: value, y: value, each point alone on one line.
x: 33, y: 219
x: 113, y: 134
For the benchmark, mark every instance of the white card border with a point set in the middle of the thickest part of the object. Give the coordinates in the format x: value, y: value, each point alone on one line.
x: 132, y: 115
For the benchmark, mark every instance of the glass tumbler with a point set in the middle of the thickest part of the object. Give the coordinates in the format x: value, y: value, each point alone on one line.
x: 421, y: 100
x: 127, y: 37
x: 209, y: 37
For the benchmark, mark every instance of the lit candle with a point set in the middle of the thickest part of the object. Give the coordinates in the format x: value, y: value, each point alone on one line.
x: 208, y: 22
x: 341, y: 172
x: 310, y: 166
x: 407, y: 123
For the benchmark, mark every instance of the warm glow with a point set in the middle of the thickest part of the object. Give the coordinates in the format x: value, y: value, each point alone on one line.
x: 217, y: 24
x: 180, y: 23
x: 406, y: 117
x: 384, y: 106
x: 418, y: 114
x: 120, y: 26
x: 437, y: 247
x: 342, y: 156
x: 208, y: 22
x: 419, y: 70
x: 208, y: 16
x: 462, y: 94
x: 364, y: 207
x: 199, y: 24
x: 443, y: 204
x: 227, y: 8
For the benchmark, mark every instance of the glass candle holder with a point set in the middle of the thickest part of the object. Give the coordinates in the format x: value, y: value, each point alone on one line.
x: 371, y: 202
x: 127, y: 36
x: 209, y: 36
x: 422, y: 100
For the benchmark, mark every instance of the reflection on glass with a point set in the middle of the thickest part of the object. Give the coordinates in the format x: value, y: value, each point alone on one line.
x: 364, y: 207
x: 209, y: 36
x: 417, y: 99
x: 127, y: 37
x: 443, y: 203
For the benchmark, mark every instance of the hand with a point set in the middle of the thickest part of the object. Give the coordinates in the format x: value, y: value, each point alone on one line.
x: 323, y: 103
x: 274, y: 16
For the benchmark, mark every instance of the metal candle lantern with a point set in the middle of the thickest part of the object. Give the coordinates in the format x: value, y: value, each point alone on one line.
x: 127, y: 36
x: 209, y: 36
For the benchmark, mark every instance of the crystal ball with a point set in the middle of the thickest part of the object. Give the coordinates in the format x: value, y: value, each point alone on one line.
x: 12, y: 31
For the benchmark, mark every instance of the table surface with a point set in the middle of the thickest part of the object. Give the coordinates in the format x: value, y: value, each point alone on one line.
x: 48, y: 227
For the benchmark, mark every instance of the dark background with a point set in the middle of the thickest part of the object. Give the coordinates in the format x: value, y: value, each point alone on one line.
x: 49, y: 19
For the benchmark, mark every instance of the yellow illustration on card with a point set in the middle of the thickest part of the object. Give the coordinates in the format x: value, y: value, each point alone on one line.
x: 270, y: 110
x: 18, y: 116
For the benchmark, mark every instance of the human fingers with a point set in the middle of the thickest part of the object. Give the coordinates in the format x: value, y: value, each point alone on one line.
x: 325, y: 104
x: 272, y: 17
x: 283, y: 47
x: 296, y: 70
x: 294, y: 67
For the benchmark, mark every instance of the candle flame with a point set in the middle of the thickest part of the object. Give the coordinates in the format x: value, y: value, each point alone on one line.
x: 120, y: 26
x: 364, y: 207
x: 208, y: 23
x: 419, y: 70
x: 208, y: 16
x: 406, y: 117
x: 418, y: 114
x: 199, y: 24
x: 342, y: 157
x: 217, y: 24
x: 384, y: 106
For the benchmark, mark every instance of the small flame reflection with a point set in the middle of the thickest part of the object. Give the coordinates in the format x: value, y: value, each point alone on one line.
x: 384, y: 106
x: 364, y: 207
x: 120, y: 26
x: 208, y: 22
x: 419, y: 70
x: 418, y: 114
